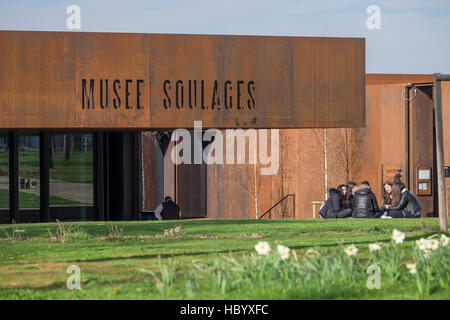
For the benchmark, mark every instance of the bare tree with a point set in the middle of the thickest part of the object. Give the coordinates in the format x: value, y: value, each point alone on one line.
x: 349, y: 153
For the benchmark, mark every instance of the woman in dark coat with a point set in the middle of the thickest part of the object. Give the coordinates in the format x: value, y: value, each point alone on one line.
x: 404, y: 203
x: 388, y: 188
x: 365, y: 203
x: 332, y: 207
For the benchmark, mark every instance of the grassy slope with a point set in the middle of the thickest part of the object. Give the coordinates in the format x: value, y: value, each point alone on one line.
x: 110, y: 268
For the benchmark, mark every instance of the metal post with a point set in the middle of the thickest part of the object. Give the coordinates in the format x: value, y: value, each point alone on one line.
x: 437, y: 98
x: 44, y: 172
x: 13, y: 145
x: 99, y: 178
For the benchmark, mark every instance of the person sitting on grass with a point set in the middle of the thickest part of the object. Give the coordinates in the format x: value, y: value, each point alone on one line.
x: 168, y: 210
x: 404, y: 203
x: 332, y: 207
x: 365, y: 203
x: 387, y: 196
x: 347, y: 195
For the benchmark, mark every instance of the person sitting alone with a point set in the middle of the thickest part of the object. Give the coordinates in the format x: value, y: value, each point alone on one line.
x: 365, y: 203
x: 332, y: 207
x: 168, y: 210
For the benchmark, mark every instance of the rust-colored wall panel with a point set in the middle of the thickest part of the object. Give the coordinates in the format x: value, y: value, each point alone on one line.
x: 280, y: 82
x: 422, y: 143
x: 37, y: 79
x: 113, y: 57
x: 153, y: 163
x: 393, y: 131
x: 445, y: 88
x: 326, y: 71
x: 383, y: 78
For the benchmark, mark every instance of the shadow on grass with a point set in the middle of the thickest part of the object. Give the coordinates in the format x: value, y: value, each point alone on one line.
x: 293, y: 247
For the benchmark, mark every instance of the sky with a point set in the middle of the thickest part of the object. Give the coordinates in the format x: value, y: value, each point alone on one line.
x: 414, y: 35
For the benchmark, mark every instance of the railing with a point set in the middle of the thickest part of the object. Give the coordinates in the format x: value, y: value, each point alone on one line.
x: 286, y: 196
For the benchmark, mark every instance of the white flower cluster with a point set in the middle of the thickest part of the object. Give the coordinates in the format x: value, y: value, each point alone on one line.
x: 173, y: 232
x: 412, y: 267
x: 263, y: 248
x: 431, y: 244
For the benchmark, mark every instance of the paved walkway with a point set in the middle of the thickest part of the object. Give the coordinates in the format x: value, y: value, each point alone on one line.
x: 80, y: 192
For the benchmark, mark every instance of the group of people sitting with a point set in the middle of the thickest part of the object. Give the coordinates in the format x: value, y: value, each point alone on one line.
x: 354, y: 201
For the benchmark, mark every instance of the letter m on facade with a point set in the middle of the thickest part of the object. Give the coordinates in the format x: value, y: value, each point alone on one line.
x: 87, y: 98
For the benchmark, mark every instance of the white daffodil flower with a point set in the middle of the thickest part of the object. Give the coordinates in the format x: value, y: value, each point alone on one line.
x: 412, y: 267
x: 422, y: 244
x: 374, y: 246
x: 444, y: 240
x: 351, y: 250
x: 263, y: 248
x: 283, y: 251
x: 398, y: 236
x: 433, y: 244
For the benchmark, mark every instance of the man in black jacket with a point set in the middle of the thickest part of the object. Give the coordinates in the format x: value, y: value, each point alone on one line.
x: 365, y: 203
x: 332, y: 208
x: 168, y: 210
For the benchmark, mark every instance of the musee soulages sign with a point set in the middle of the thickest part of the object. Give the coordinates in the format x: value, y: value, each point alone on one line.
x: 116, y: 80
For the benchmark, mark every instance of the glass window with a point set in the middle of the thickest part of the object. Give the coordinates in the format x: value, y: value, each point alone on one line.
x: 4, y: 174
x: 71, y: 176
x: 29, y: 172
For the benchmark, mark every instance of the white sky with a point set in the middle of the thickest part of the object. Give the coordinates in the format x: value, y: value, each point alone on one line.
x: 414, y: 35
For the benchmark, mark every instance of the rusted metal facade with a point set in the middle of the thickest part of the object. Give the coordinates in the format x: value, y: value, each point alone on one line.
x: 398, y: 135
x: 76, y: 80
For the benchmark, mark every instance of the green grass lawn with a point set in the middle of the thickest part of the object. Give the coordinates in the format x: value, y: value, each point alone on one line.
x: 121, y: 268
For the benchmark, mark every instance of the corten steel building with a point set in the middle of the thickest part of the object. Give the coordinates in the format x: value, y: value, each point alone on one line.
x: 74, y: 106
x: 399, y: 133
x: 86, y: 118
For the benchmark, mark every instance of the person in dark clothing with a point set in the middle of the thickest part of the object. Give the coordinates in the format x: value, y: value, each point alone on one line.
x: 344, y: 191
x: 388, y: 187
x: 364, y: 202
x: 348, y: 203
x: 332, y: 208
x: 404, y: 203
x: 168, y: 210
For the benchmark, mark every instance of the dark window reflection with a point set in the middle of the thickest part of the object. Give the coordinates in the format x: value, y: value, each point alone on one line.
x: 4, y: 173
x: 29, y: 172
x: 71, y: 176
